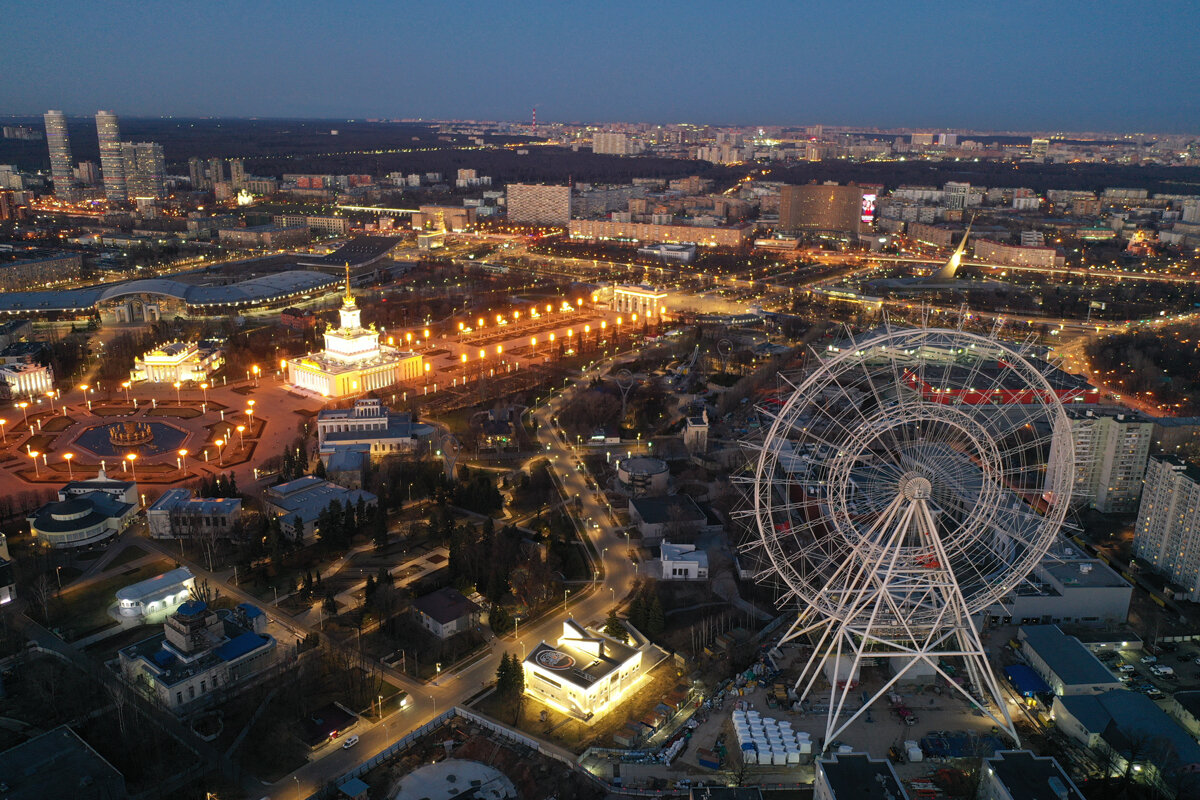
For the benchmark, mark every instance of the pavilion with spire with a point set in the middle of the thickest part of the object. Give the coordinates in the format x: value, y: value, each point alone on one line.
x: 353, y: 361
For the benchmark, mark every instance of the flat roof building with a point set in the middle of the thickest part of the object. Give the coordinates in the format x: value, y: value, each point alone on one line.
x: 821, y: 208
x: 159, y: 596
x: 176, y: 515
x: 58, y: 764
x: 856, y: 776
x: 584, y: 673
x: 1063, y: 662
x: 1020, y: 775
x: 302, y: 501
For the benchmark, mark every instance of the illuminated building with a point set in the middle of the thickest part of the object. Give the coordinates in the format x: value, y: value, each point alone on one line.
x: 1111, y: 448
x: 1167, y: 533
x: 371, y: 425
x: 145, y: 169
x: 615, y: 144
x: 178, y: 361
x: 328, y: 225
x: 1017, y: 255
x: 32, y: 268
x: 87, y: 512
x: 704, y: 236
x: 24, y: 379
x: 201, y: 657
x: 821, y: 208
x: 1038, y: 149
x: 584, y: 673
x: 8, y: 583
x: 112, y: 159
x: 59, y: 143
x: 538, y: 205
x: 353, y: 361
x: 268, y: 236
x: 645, y: 301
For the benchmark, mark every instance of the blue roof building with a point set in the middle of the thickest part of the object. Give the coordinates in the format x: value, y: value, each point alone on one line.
x: 1063, y: 662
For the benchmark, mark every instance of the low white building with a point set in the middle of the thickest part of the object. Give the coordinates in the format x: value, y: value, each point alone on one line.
x: 157, y: 596
x: 25, y: 379
x: 446, y: 612
x: 584, y: 673
x: 179, y: 361
x: 683, y: 562
x: 1062, y: 661
x: 370, y: 423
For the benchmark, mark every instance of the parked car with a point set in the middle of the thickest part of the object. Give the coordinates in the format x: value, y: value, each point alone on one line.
x: 1126, y: 668
x: 1149, y: 659
x: 1124, y: 678
x: 353, y: 740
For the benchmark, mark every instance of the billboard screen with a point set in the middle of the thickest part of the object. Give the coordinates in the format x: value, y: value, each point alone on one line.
x: 868, y: 208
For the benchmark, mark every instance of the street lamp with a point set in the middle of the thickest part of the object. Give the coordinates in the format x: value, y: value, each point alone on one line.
x: 3, y: 435
x: 50, y: 394
x: 83, y: 390
x: 125, y: 386
x: 179, y: 459
x: 132, y: 457
x: 70, y: 472
x: 204, y: 388
x: 220, y: 443
x: 241, y: 439
x: 33, y: 454
x: 255, y: 370
x: 178, y: 400
x: 23, y: 406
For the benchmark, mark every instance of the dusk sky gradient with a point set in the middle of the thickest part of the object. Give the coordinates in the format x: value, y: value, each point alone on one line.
x: 1048, y: 65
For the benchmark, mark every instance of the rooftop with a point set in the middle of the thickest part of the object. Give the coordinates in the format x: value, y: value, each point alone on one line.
x: 1066, y: 656
x: 674, y: 508
x: 581, y: 656
x: 152, y: 586
x: 1120, y: 714
x: 1031, y: 777
x: 856, y: 776
x: 445, y: 605
x: 58, y: 764
x: 1096, y: 574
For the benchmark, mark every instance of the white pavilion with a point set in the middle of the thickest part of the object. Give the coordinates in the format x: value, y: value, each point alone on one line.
x: 353, y: 361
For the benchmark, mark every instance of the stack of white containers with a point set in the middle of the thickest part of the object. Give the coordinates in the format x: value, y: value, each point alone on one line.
x: 764, y: 740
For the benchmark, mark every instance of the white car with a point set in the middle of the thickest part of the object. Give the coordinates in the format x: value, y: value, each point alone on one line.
x: 1125, y: 668
x: 1149, y: 659
x: 353, y: 740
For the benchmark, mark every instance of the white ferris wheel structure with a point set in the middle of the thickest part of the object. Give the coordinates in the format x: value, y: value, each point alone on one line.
x: 910, y: 481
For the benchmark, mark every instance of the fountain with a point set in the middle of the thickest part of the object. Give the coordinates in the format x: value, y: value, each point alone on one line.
x: 130, y: 436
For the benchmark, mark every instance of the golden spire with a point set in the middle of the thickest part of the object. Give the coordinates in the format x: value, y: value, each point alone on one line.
x: 349, y: 297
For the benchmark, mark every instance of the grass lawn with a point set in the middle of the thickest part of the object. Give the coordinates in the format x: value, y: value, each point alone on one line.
x: 174, y: 411
x: 130, y: 553
x: 56, y: 424
x: 39, y: 443
x: 85, y: 609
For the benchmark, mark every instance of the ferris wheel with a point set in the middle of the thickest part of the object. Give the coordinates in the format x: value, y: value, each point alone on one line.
x: 912, y: 479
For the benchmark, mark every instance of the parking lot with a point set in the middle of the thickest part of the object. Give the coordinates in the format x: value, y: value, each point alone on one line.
x: 1143, y: 672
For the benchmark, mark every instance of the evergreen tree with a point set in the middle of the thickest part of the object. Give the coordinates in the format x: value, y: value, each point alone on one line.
x: 504, y: 677
x: 500, y: 620
x: 637, y: 612
x: 369, y: 590
x: 330, y: 604
x: 614, y: 628
x: 656, y: 621
x: 319, y: 469
x: 385, y: 577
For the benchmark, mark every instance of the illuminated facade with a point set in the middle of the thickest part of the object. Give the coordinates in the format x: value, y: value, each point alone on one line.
x: 646, y: 301
x: 59, y: 143
x: 112, y: 157
x: 353, y: 361
x: 178, y: 361
x: 585, y: 673
x: 649, y: 232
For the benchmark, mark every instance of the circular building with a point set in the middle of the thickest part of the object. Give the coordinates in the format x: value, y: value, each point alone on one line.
x: 643, y: 475
x: 80, y: 521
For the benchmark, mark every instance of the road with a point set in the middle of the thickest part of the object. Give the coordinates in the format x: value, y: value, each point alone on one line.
x: 615, y: 577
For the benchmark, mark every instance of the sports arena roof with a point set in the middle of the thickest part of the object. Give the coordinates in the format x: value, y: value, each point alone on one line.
x: 264, y: 289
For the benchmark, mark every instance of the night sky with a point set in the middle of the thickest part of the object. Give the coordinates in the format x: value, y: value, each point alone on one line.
x: 1048, y: 65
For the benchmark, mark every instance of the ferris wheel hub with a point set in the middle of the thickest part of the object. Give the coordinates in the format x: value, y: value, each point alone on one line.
x: 915, y: 487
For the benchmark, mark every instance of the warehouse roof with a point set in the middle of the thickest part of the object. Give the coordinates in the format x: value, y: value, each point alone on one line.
x: 1066, y: 656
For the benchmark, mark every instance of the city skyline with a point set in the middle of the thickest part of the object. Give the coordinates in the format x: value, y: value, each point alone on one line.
x: 1039, y: 68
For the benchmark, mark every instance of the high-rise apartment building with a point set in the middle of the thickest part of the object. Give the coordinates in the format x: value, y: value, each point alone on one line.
x: 826, y: 208
x: 1111, y: 448
x: 59, y: 143
x: 196, y: 172
x: 538, y: 205
x: 1038, y: 149
x: 1167, y: 533
x: 112, y: 162
x: 216, y: 171
x: 143, y: 169
x: 615, y: 144
x: 237, y: 173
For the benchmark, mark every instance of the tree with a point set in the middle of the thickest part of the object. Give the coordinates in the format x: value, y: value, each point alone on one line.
x: 504, y: 676
x: 319, y: 469
x: 500, y: 619
x: 330, y: 604
x: 614, y: 628
x: 656, y: 621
